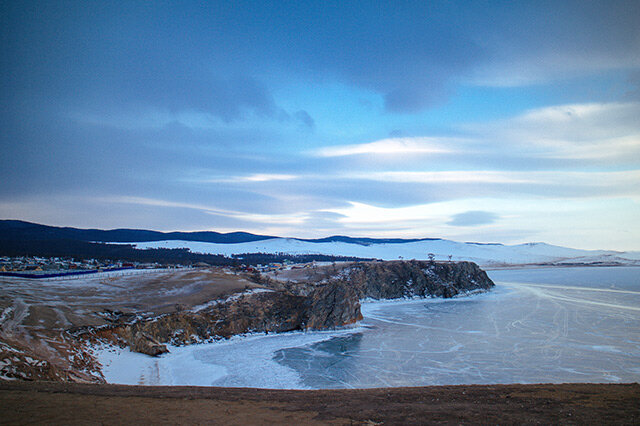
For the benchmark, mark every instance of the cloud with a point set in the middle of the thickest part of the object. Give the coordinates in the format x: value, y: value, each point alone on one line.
x: 224, y: 60
x: 323, y: 220
x: 623, y: 180
x: 225, y: 98
x: 179, y: 57
x: 597, y: 132
x: 414, y: 54
x: 579, y: 122
x: 561, y: 137
x: 473, y: 218
x: 252, y: 178
x: 230, y: 177
x: 536, y: 44
x: 128, y: 59
x: 164, y: 203
x: 291, y: 218
x: 152, y: 98
x: 452, y: 177
x: 217, y: 115
x: 393, y: 146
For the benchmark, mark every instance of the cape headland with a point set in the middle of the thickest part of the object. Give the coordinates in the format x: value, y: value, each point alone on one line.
x: 147, y: 312
x: 319, y: 298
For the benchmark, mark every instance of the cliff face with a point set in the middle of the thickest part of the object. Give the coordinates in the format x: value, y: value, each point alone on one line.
x: 331, y: 303
x: 393, y: 280
x: 328, y: 306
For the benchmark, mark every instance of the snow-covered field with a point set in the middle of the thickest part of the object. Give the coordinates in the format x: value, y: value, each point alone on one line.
x: 483, y: 254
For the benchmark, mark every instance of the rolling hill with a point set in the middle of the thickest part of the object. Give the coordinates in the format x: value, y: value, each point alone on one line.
x: 238, y: 243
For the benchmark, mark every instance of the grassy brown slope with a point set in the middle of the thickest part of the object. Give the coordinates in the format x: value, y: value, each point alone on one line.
x: 64, y: 403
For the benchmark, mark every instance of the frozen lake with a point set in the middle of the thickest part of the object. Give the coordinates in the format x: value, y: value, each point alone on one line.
x: 537, y: 325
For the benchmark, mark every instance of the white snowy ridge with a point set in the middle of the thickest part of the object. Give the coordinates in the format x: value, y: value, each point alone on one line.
x: 482, y: 254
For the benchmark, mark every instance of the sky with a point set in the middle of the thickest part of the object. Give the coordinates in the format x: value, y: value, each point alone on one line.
x: 501, y: 121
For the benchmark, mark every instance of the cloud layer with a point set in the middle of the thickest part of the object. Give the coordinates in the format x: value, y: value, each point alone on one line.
x: 511, y: 122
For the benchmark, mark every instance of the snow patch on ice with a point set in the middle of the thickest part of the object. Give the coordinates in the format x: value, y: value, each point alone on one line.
x: 179, y: 367
x: 236, y: 362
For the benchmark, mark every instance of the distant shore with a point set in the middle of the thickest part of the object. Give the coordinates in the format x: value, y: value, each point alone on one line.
x: 556, y: 265
x: 73, y: 403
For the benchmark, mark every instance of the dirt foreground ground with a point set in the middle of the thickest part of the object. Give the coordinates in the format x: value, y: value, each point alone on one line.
x: 68, y: 403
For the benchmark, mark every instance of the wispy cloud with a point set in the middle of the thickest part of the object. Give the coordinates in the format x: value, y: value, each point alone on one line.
x: 473, y: 218
x: 289, y: 219
x: 394, y: 146
x: 450, y: 176
x: 627, y: 178
x: 165, y: 203
x: 251, y: 178
x: 577, y: 131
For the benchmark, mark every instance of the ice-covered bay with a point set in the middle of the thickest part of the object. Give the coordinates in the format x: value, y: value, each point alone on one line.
x: 538, y: 325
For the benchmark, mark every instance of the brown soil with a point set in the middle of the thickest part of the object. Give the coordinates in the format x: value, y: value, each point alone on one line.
x: 66, y: 403
x: 61, y: 304
x: 310, y: 272
x: 34, y: 314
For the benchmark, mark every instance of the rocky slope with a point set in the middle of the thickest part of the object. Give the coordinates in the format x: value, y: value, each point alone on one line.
x: 328, y: 306
x: 393, y: 280
x: 333, y: 301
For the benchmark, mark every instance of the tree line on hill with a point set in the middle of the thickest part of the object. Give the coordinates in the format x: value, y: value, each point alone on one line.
x: 67, y: 248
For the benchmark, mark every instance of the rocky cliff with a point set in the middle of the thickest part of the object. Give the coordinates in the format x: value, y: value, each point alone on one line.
x: 393, y: 280
x: 331, y: 302
x: 328, y: 306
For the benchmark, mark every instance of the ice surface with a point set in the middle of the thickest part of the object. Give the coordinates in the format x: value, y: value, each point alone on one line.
x: 242, y: 361
x: 541, y: 325
x: 180, y: 367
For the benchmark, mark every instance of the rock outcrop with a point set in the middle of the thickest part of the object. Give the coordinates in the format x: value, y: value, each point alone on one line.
x: 329, y: 306
x: 393, y: 280
x: 333, y: 302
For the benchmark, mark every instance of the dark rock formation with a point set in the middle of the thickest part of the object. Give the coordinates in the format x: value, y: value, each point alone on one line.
x: 393, y: 280
x: 329, y: 306
x: 146, y: 344
x: 332, y: 303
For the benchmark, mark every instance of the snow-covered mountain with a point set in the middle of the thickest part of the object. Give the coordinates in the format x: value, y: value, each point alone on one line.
x: 15, y: 233
x: 483, y: 254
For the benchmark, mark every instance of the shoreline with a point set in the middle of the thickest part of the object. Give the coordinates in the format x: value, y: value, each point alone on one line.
x: 552, y: 266
x: 117, y: 363
x: 74, y: 403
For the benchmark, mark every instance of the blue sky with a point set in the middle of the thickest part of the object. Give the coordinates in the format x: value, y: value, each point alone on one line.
x: 476, y: 121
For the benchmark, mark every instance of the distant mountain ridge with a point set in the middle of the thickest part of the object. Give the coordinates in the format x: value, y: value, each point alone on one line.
x: 22, y: 230
x: 25, y: 235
